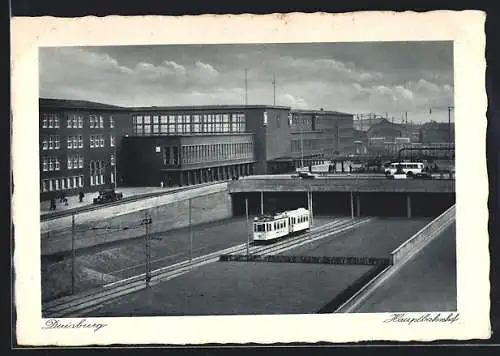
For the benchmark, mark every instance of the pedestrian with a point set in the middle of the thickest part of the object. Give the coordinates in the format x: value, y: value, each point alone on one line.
x: 65, y: 201
x: 161, y: 184
x: 81, y: 196
x: 52, y: 204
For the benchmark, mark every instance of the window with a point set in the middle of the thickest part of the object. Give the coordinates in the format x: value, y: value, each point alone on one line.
x: 147, y: 129
x: 80, y: 141
x: 56, y: 181
x: 75, y: 182
x: 57, y: 164
x: 70, y: 162
x: 80, y: 161
x: 147, y: 119
x: 112, y: 140
x: 101, y: 122
x: 51, y: 122
x: 111, y: 122
x: 80, y: 122
x: 45, y: 185
x: 91, y: 141
x: 92, y: 121
x: 69, y: 140
x: 45, y: 143
x: 138, y: 120
x: 63, y: 183
x: 80, y: 181
x: 56, y: 122
x: 164, y: 119
x: 75, y: 121
x: 44, y: 121
x: 69, y: 122
x: 45, y: 164
x: 112, y: 160
x: 51, y: 187
x: 57, y: 144
x: 51, y: 142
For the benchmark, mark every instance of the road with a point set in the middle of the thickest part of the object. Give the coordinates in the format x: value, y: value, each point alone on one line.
x: 428, y: 282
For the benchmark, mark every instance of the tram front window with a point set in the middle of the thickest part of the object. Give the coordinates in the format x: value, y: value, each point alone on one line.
x: 260, y: 227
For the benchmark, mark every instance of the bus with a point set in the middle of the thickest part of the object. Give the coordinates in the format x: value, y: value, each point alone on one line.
x: 408, y: 168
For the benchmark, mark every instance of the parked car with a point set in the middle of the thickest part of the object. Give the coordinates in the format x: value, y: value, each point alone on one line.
x: 107, y: 196
x: 422, y: 175
x: 304, y: 175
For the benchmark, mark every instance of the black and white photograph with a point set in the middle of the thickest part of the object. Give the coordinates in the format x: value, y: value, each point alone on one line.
x: 306, y: 178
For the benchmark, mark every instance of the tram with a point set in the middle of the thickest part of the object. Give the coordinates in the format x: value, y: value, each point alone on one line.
x: 273, y: 227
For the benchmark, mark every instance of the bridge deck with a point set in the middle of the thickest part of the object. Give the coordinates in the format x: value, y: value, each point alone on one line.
x: 344, y: 184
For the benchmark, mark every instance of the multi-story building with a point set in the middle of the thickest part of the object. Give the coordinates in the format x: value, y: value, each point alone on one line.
x: 314, y: 136
x: 188, y: 145
x: 78, y: 145
x: 88, y: 146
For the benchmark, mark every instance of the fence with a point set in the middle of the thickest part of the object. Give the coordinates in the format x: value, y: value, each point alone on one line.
x: 87, y: 255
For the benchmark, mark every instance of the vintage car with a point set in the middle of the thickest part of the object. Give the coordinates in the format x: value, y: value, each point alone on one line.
x: 107, y: 196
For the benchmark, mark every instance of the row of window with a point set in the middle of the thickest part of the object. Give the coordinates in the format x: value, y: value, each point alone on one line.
x: 216, y: 152
x: 52, y: 120
x: 74, y: 141
x: 55, y: 184
x: 51, y: 164
x: 53, y: 142
x: 97, y: 170
x: 186, y: 124
x: 310, y: 144
x: 74, y: 161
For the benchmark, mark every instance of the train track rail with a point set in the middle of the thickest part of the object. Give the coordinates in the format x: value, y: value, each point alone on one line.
x: 125, y: 200
x: 81, y: 304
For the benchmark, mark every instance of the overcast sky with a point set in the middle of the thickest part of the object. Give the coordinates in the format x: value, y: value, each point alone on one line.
x: 388, y: 77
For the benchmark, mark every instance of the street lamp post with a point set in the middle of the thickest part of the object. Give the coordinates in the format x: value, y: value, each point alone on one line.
x: 146, y: 222
x: 190, y: 234
x: 248, y: 228
x: 73, y: 253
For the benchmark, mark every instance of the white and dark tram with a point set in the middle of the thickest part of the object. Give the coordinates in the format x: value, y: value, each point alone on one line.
x: 272, y: 227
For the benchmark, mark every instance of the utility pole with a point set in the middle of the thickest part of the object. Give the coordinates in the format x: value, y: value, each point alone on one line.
x: 274, y: 90
x: 190, y: 234
x: 146, y: 222
x: 246, y: 87
x: 248, y: 226
x: 449, y: 131
x: 73, y: 253
x: 115, y: 177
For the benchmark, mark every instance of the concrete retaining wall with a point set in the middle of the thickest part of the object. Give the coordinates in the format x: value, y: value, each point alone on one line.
x: 420, y: 239
x: 127, y: 208
x: 170, y: 215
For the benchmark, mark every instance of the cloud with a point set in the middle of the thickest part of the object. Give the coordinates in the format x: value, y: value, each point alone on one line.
x: 365, y: 78
x: 288, y: 99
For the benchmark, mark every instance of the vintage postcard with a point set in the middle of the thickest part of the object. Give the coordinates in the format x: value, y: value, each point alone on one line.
x: 250, y: 179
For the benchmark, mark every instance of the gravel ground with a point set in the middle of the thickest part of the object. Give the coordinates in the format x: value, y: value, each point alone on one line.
x: 377, y: 238
x: 230, y: 288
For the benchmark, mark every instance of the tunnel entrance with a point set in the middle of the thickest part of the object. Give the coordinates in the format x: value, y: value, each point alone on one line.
x: 381, y: 204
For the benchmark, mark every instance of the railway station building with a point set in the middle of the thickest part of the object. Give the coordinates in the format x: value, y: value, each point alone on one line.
x: 90, y: 146
x: 190, y: 145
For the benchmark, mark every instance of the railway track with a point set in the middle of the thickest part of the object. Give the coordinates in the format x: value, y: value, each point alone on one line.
x: 81, y: 304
